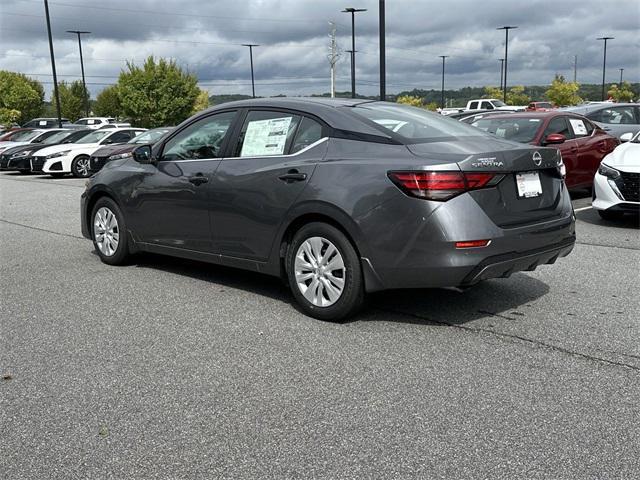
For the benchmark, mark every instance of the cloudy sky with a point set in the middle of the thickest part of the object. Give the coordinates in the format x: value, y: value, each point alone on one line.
x: 205, y: 36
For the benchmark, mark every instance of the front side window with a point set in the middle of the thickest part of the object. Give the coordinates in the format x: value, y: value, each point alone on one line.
x: 150, y: 136
x: 200, y: 140
x: 487, y: 106
x: 414, y: 124
x: 558, y: 125
x: 267, y: 133
x: 120, y: 137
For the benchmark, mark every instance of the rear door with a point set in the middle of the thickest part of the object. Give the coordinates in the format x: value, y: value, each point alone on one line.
x: 170, y: 204
x: 273, y: 155
x: 591, y: 147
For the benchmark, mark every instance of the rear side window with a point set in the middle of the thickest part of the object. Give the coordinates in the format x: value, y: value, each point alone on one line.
x: 267, y: 133
x: 473, y: 106
x: 579, y: 127
x: 615, y: 116
x: 308, y: 133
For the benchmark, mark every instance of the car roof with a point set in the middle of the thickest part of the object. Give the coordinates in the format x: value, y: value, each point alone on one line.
x: 536, y: 114
x: 334, y: 111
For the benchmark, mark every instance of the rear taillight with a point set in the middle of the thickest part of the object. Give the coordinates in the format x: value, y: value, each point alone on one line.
x: 441, y: 186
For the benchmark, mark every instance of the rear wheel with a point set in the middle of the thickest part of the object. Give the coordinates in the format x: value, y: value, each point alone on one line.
x: 610, y: 215
x: 80, y: 167
x: 324, y: 272
x: 108, y: 231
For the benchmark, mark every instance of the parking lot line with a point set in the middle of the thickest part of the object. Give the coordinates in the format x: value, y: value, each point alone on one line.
x: 581, y: 209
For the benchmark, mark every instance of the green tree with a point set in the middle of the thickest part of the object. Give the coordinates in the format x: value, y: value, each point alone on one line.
x: 410, y: 100
x: 72, y: 100
x: 621, y: 93
x: 107, y: 103
x: 201, y: 102
x: 22, y: 94
x: 563, y: 93
x: 515, y: 96
x: 158, y: 93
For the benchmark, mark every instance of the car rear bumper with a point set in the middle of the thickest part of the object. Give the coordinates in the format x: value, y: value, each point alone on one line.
x: 419, y: 251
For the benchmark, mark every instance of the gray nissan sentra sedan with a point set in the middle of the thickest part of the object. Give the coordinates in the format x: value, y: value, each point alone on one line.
x: 337, y: 197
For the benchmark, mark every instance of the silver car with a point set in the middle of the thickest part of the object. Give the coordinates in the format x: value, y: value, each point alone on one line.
x: 615, y: 118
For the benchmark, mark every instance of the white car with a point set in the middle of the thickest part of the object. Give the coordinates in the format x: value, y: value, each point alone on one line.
x: 31, y: 136
x: 59, y: 160
x: 616, y: 186
x: 95, y: 122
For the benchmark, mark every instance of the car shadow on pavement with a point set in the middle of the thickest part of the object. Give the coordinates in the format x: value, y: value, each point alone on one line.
x: 591, y: 216
x: 504, y: 298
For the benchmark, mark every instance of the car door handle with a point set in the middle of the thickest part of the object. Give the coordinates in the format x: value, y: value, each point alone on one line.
x: 199, y: 179
x: 293, y: 176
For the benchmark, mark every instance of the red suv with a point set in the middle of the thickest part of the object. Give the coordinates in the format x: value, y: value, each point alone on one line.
x: 582, y: 144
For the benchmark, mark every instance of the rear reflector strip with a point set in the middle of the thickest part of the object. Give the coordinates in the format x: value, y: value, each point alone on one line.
x: 473, y: 244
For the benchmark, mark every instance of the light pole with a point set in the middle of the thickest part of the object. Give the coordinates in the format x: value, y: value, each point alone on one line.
x: 383, y: 62
x: 604, y: 62
x: 621, y: 70
x: 53, y: 64
x: 84, y: 84
x: 442, y: 94
x: 353, y: 12
x: 501, y: 71
x: 253, y: 85
x: 506, y: 29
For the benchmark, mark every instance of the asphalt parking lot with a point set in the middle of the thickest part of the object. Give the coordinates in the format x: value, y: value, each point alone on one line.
x: 175, y: 369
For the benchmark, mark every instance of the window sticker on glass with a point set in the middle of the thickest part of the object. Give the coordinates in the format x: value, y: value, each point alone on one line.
x: 266, y: 137
x: 501, y: 132
x: 42, y: 122
x: 578, y: 125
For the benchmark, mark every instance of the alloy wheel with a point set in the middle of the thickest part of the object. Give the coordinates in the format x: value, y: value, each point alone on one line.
x: 82, y: 167
x: 319, y: 271
x: 106, y: 231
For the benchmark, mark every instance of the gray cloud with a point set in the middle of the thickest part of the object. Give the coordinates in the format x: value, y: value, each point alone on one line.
x: 205, y: 37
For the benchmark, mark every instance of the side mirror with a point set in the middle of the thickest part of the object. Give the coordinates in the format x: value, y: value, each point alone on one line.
x: 142, y: 154
x: 625, y: 137
x: 554, y: 138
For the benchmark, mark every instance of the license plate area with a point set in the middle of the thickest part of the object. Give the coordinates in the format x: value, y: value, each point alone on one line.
x: 528, y: 184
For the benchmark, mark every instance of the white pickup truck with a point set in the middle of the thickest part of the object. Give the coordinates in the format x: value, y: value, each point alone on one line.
x: 491, y: 104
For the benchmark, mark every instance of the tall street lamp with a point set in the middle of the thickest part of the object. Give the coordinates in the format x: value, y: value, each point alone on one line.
x: 501, y: 60
x: 383, y: 61
x: 253, y: 85
x: 506, y: 29
x: 353, y: 12
x: 84, y: 84
x: 621, y: 70
x: 442, y: 93
x: 604, y: 62
x: 56, y: 94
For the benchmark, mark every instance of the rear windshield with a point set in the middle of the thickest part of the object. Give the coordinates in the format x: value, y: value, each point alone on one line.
x: 95, y: 136
x: 150, y: 136
x: 521, y: 129
x: 412, y: 124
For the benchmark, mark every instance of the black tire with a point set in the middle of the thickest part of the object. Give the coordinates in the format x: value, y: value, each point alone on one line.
x: 610, y: 215
x: 76, y: 169
x: 121, y: 254
x: 352, y: 296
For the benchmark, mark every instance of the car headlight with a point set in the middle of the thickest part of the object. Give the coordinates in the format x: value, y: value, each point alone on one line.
x: 58, y: 154
x: 119, y: 156
x: 25, y: 153
x: 609, y: 172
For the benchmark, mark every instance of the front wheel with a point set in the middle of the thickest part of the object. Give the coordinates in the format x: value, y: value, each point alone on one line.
x: 80, y: 167
x: 108, y: 231
x: 324, y: 272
